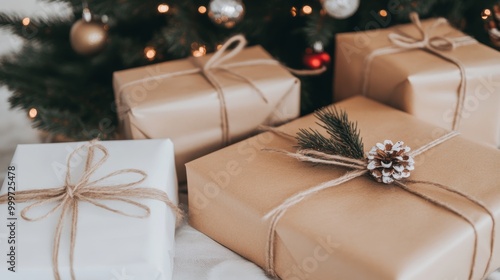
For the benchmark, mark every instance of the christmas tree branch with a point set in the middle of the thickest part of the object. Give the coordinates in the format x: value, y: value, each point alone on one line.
x: 344, y: 135
x: 39, y: 29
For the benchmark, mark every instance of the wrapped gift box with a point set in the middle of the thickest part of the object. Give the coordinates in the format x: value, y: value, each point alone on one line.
x: 422, y: 83
x: 187, y: 109
x: 360, y: 229
x: 108, y: 245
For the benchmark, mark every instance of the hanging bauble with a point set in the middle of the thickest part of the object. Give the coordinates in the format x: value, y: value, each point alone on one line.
x: 492, y: 24
x: 340, y: 9
x: 226, y: 12
x: 88, y: 36
x: 316, y: 60
x: 494, y: 33
x: 316, y: 57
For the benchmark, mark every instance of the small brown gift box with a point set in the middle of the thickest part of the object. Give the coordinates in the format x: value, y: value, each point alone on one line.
x: 187, y: 109
x: 421, y: 82
x: 360, y: 229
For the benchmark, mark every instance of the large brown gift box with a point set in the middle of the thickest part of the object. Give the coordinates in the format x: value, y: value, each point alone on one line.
x: 420, y: 82
x: 186, y: 108
x: 360, y: 229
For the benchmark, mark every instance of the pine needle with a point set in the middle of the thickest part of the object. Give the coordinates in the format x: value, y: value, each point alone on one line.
x: 344, y: 137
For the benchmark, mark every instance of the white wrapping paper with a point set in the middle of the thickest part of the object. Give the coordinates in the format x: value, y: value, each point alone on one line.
x: 108, y: 245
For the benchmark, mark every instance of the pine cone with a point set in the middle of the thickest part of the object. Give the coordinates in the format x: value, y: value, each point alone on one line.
x: 388, y: 162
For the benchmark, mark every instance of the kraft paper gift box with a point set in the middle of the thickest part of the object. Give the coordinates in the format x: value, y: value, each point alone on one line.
x: 108, y: 245
x: 359, y: 229
x: 187, y: 109
x: 421, y: 82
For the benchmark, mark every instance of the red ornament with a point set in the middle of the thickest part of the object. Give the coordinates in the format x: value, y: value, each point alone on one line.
x: 325, y: 57
x: 316, y: 60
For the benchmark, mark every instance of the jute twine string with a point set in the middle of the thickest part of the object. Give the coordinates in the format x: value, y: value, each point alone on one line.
x: 436, y: 45
x: 360, y: 169
x: 67, y: 198
x: 215, y: 64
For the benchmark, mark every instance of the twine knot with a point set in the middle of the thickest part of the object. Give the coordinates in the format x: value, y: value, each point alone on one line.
x: 69, y: 191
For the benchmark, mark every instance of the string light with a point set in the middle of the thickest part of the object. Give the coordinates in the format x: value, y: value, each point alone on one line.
x: 293, y: 11
x: 201, y: 51
x: 32, y: 113
x: 382, y: 13
x: 219, y: 46
x: 307, y: 9
x: 163, y: 8
x: 486, y: 13
x: 26, y: 21
x: 202, y: 9
x: 150, y: 53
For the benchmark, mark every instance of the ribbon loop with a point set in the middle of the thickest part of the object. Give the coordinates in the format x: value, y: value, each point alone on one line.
x: 403, y: 41
x: 221, y: 55
x: 24, y: 212
x: 425, y: 41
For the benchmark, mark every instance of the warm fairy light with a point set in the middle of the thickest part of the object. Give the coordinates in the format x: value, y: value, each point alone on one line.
x: 26, y: 21
x: 32, y: 113
x: 315, y: 63
x: 201, y: 51
x: 202, y: 9
x: 307, y: 9
x: 150, y: 53
x: 382, y: 13
x: 293, y: 11
x: 219, y: 46
x: 486, y: 13
x: 163, y: 8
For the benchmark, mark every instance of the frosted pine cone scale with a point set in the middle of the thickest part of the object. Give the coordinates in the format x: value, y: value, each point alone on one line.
x: 388, y: 162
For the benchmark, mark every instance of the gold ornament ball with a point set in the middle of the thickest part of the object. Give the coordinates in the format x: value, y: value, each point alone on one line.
x: 88, y: 37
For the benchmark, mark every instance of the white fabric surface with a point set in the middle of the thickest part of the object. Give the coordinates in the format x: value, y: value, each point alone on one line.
x: 197, y: 257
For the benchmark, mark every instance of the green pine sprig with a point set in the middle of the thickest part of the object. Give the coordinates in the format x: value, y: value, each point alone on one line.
x: 344, y: 137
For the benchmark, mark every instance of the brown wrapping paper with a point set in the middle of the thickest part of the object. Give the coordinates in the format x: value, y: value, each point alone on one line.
x: 358, y: 230
x: 186, y: 108
x: 421, y: 83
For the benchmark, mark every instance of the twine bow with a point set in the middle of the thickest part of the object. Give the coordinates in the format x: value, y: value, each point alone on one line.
x: 436, y: 45
x: 217, y: 63
x: 67, y: 197
x: 360, y: 168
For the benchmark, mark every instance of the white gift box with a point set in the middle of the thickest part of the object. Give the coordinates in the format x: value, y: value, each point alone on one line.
x: 109, y: 246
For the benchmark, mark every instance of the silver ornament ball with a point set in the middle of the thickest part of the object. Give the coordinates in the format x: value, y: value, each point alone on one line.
x: 226, y: 12
x: 340, y: 9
